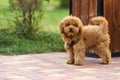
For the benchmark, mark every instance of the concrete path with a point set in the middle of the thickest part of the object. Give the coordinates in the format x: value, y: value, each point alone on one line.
x: 53, y: 66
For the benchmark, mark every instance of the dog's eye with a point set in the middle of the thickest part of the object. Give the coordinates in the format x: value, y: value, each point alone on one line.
x: 75, y: 25
x: 67, y: 24
x: 97, y: 24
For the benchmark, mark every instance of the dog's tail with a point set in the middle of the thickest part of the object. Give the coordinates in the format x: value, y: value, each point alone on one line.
x: 101, y: 21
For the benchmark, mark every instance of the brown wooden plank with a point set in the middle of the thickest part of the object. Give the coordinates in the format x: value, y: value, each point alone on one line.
x: 92, y: 8
x: 80, y: 9
x: 85, y: 11
x: 116, y: 25
x: 76, y: 8
x: 108, y: 13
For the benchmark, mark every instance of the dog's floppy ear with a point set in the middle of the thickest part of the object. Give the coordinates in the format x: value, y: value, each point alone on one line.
x: 80, y: 25
x: 61, y: 25
x: 80, y: 30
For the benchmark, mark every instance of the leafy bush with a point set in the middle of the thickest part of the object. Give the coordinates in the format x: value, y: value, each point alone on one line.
x: 28, y: 15
x: 27, y: 29
x: 21, y: 3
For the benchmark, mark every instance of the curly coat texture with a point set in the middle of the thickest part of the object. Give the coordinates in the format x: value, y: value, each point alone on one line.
x: 79, y: 39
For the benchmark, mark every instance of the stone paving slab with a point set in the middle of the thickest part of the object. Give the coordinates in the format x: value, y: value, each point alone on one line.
x: 53, y: 66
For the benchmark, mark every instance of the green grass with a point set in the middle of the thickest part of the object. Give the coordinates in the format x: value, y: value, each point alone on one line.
x: 12, y: 45
x: 4, y: 4
x: 52, y: 18
x: 48, y: 40
x: 54, y: 14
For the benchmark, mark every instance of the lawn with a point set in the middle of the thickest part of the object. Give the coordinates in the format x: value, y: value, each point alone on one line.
x: 49, y: 38
x: 52, y: 19
x: 53, y: 16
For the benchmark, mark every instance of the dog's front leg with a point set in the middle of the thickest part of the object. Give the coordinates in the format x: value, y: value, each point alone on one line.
x: 79, y: 53
x: 69, y: 50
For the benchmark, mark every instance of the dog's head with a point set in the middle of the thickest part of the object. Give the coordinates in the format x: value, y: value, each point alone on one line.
x: 71, y: 26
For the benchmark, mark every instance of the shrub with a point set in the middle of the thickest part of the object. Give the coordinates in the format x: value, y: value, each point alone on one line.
x: 28, y: 15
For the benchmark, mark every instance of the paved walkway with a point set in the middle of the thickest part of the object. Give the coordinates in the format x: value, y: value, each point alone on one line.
x: 53, y: 66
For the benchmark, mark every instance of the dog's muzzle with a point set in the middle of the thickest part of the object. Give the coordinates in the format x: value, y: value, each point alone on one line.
x: 70, y: 30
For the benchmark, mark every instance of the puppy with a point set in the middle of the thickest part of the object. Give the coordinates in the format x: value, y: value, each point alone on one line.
x: 79, y: 39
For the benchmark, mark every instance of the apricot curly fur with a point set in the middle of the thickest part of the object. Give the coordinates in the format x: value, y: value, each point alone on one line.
x: 79, y: 39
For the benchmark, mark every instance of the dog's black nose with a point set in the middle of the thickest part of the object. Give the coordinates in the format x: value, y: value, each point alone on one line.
x: 70, y: 30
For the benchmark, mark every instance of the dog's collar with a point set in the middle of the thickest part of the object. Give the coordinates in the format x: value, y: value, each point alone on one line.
x: 73, y: 42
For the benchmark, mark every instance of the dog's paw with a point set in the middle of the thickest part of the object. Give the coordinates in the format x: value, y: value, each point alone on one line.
x: 105, y: 63
x: 78, y: 63
x: 70, y: 62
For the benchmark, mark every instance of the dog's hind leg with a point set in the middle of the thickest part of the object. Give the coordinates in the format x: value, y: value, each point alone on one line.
x: 103, y: 51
